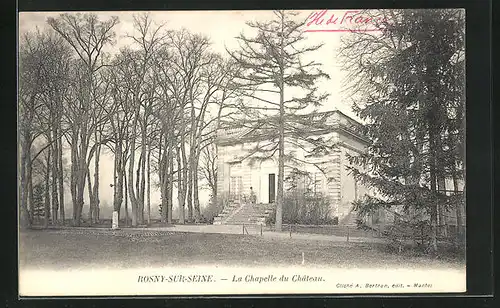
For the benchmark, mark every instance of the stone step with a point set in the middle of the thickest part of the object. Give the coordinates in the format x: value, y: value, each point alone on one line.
x: 243, y: 219
x: 247, y: 223
x: 247, y: 218
x: 246, y: 209
x: 251, y: 214
x: 230, y: 208
x: 241, y: 223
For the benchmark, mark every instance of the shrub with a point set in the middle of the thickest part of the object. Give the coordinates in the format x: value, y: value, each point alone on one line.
x: 305, y: 208
x: 214, y: 208
x: 39, y: 202
x: 403, y: 234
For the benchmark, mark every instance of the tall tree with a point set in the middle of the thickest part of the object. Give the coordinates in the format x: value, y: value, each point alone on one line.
x: 208, y: 169
x: 120, y: 114
x: 137, y: 69
x: 44, y: 60
x: 274, y: 69
x: 30, y: 74
x: 100, y: 117
x: 88, y: 36
x: 407, y: 81
x: 167, y: 112
x: 190, y: 58
x: 57, y: 58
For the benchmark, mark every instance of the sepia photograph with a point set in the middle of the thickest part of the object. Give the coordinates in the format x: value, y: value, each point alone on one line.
x: 184, y: 153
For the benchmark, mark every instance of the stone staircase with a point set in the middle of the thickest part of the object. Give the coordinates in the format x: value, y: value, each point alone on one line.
x: 244, y: 213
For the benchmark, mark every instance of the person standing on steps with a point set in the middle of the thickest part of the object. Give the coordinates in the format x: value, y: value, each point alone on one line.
x: 253, y: 197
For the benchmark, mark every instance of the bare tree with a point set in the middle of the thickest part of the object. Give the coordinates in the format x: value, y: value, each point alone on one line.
x: 208, y: 168
x: 156, y: 105
x: 167, y: 112
x: 43, y: 72
x: 55, y: 68
x: 100, y: 117
x: 87, y: 35
x: 188, y: 59
x: 272, y: 62
x: 29, y: 89
x: 136, y: 67
x: 119, y: 119
x: 216, y: 97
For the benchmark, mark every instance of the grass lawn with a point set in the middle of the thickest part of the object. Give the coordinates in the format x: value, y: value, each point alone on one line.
x: 84, y: 249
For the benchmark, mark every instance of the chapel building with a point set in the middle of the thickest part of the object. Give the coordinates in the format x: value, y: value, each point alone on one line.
x: 239, y: 175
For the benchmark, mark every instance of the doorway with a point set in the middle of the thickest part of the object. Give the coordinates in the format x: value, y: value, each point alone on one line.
x: 272, y: 191
x: 235, y: 188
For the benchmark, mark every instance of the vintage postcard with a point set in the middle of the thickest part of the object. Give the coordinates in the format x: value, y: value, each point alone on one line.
x: 241, y: 152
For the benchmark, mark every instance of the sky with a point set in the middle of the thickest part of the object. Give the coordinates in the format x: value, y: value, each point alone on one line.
x: 221, y: 27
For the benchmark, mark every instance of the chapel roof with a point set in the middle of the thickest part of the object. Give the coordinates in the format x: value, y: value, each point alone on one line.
x: 309, y: 124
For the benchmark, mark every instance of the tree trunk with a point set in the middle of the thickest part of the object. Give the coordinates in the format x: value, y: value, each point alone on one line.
x: 83, y: 162
x: 167, y: 182
x: 133, y: 200
x: 196, y: 197
x: 163, y: 187
x: 281, y: 168
x: 164, y: 200
x: 91, y: 198
x: 126, y: 197
x: 149, y: 184
x: 432, y: 117
x: 29, y: 179
x: 95, y: 190
x: 55, y: 164
x: 214, y: 166
x: 26, y: 187
x: 80, y: 181
x: 281, y: 145
x: 73, y: 174
x: 458, y: 206
x: 190, y: 163
x: 47, y: 190
x: 181, y: 187
x: 170, y: 188
x: 140, y: 198
x: 453, y: 144
x: 214, y: 194
x: 143, y: 184
x: 441, y: 186
x: 161, y: 176
x: 25, y: 215
x: 118, y: 178
x: 442, y: 210
x: 433, y: 182
x: 61, y: 181
x: 190, y: 189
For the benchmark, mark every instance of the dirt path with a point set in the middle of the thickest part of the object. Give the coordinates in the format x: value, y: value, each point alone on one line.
x: 251, y: 230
